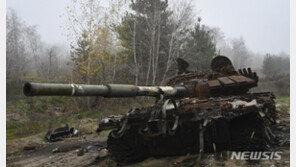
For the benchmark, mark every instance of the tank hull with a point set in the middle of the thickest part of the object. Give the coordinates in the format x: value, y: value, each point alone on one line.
x: 234, y: 123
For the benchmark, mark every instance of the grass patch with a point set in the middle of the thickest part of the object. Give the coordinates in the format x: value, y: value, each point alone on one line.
x: 23, y: 130
x: 282, y: 103
x: 105, y: 133
x: 283, y: 100
x: 34, y: 115
x: 87, y: 114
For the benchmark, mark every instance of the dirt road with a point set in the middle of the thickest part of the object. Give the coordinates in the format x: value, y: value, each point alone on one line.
x: 60, y: 153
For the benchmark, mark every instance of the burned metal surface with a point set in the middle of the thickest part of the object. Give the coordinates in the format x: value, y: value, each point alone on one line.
x: 195, y: 109
x: 210, y: 125
x: 220, y: 63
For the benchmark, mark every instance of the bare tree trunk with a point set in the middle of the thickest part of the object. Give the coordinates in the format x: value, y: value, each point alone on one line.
x: 50, y: 54
x: 135, y: 54
x: 169, y: 57
x: 153, y: 44
x: 149, y: 67
x: 114, y: 68
x: 157, y: 48
x: 88, y: 80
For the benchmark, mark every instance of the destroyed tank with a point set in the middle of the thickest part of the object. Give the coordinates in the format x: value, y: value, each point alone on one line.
x: 194, y: 112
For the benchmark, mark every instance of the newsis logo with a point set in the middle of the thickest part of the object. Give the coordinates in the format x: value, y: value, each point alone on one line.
x: 256, y: 155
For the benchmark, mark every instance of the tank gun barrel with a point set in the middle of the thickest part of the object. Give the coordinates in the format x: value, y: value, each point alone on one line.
x: 202, y: 88
x: 109, y: 90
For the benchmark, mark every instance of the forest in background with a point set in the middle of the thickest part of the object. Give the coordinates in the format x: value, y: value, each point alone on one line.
x: 127, y: 42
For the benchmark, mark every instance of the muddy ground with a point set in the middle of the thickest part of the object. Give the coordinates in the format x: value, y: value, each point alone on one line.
x: 89, y: 150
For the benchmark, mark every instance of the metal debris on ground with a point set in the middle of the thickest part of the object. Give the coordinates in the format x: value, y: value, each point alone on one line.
x: 64, y: 149
x: 30, y: 148
x: 81, y: 151
x: 59, y: 133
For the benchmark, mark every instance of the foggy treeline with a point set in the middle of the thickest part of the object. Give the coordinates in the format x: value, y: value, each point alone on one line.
x: 27, y: 57
x: 131, y: 42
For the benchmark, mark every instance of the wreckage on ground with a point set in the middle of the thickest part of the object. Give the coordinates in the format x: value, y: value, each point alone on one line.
x: 60, y: 133
x: 195, y: 112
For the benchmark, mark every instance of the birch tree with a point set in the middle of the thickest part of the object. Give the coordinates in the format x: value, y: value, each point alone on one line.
x: 182, y: 19
x: 144, y: 36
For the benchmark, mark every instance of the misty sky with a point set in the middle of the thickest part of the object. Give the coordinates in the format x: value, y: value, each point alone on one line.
x: 264, y: 24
